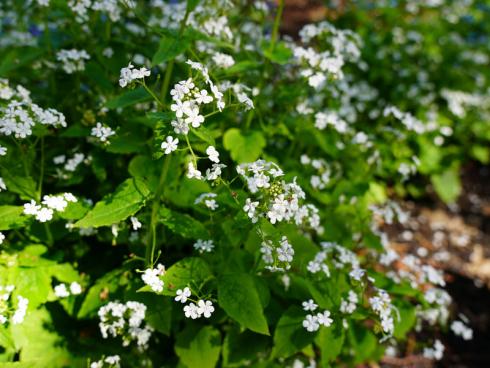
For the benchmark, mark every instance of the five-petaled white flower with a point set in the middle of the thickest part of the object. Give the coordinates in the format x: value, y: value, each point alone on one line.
x: 182, y: 295
x: 170, y: 144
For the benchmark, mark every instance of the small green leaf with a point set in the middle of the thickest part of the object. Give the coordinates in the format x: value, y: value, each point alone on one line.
x: 11, y: 217
x: 128, y: 198
x: 199, y: 349
x: 290, y: 336
x: 280, y: 54
x: 191, y: 271
x: 169, y: 48
x: 244, y: 148
x: 238, y: 296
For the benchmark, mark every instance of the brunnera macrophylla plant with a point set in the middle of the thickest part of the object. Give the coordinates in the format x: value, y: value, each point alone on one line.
x: 181, y: 185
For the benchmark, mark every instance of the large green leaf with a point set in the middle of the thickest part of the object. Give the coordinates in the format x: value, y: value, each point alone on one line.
x: 238, y: 296
x: 244, y: 148
x: 11, y: 217
x: 199, y: 349
x: 290, y: 336
x: 128, y: 198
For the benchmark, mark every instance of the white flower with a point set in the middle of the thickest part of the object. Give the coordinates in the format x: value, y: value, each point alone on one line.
x: 2, y: 238
x: 194, y: 118
x: 61, y: 291
x: 460, y: 329
x: 212, y: 154
x: 130, y: 74
x: 202, y: 97
x: 3, y: 151
x: 170, y: 144
x: 2, y: 185
x: 204, y: 245
x: 181, y: 108
x: 182, y: 295
x: 151, y: 277
x: 75, y: 288
x: 205, y: 308
x: 57, y: 203
x: 324, y: 318
x: 44, y: 214
x: 311, y: 323
x: 309, y: 305
x: 192, y: 172
x: 102, y: 132
x: 135, y: 223
x: 21, y: 310
x: 72, y: 60
x: 31, y: 208
x: 191, y: 311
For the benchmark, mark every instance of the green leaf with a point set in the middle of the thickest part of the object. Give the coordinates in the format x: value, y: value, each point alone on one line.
x: 23, y: 185
x: 183, y: 225
x: 169, y: 48
x: 128, y: 198
x: 448, y: 184
x: 238, y: 296
x: 11, y: 217
x: 129, y: 98
x: 242, y: 348
x: 330, y: 341
x: 191, y: 271
x: 19, y: 57
x: 280, y: 54
x: 199, y: 349
x: 290, y: 336
x: 244, y: 148
x: 75, y: 210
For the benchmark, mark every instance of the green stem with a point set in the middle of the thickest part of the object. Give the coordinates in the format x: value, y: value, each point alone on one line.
x: 166, y: 80
x: 152, y: 94
x: 192, y: 152
x: 152, y: 239
x: 41, y: 173
x: 277, y: 23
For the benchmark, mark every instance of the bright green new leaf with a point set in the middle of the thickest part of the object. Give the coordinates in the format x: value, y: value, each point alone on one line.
x: 169, y: 48
x: 11, y: 217
x: 244, y: 148
x: 128, y: 198
x: 191, y: 271
x: 448, y: 184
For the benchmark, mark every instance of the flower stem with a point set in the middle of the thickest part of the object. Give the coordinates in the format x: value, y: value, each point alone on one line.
x: 277, y: 23
x: 152, y: 238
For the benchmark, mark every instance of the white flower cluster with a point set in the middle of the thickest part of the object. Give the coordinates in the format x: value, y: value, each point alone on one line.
x: 459, y: 101
x: 323, y: 177
x: 62, y: 291
x: 51, y: 203
x: 204, y: 246
x: 125, y: 320
x: 202, y: 308
x: 129, y: 74
x: 111, y: 361
x: 212, y: 173
x: 460, y: 329
x: 341, y: 258
x: 71, y: 164
x: 72, y: 60
x: 330, y: 118
x: 436, y: 352
x: 9, y: 313
x: 344, y: 46
x: 113, y: 8
x: 102, y: 132
x: 408, y: 120
x: 188, y: 98
x: 208, y: 199
x: 277, y: 258
x: 439, y: 300
x: 312, y: 322
x: 282, y: 201
x: 20, y: 114
x: 381, y: 304
x: 151, y: 277
x: 349, y: 305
